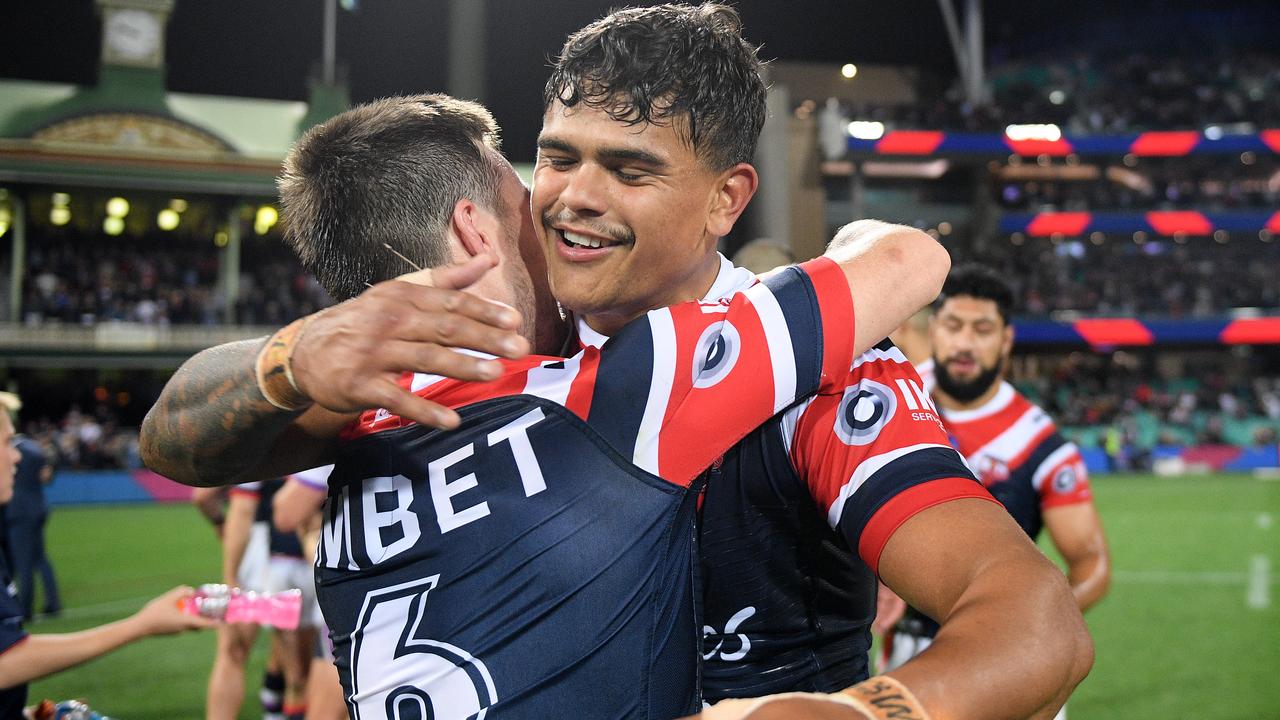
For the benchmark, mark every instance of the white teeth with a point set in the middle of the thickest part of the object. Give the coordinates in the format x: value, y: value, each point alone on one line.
x: 582, y: 240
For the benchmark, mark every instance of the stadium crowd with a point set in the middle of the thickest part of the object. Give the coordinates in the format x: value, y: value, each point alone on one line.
x: 1197, y: 277
x: 1095, y: 94
x: 1093, y: 395
x: 1202, y: 184
x: 154, y: 281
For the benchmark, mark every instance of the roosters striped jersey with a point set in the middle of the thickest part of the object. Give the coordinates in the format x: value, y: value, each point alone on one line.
x: 1018, y: 454
x: 796, y: 514
x: 540, y: 561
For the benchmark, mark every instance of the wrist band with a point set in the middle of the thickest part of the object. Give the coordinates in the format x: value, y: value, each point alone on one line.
x: 883, y: 697
x: 274, y: 370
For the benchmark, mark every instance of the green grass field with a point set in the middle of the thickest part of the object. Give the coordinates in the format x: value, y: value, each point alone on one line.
x: 1177, y: 637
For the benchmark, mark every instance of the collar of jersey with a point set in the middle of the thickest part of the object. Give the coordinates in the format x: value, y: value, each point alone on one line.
x: 998, y: 402
x: 729, y: 280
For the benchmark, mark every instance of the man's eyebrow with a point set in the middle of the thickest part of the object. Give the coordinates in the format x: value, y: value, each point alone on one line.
x: 634, y: 155
x: 553, y: 143
x: 625, y: 154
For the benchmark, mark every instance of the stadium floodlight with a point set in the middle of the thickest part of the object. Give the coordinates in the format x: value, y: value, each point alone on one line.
x: 849, y: 70
x: 866, y: 129
x: 1047, y: 132
x: 61, y: 198
x: 113, y: 225
x: 178, y: 205
x: 265, y: 219
x: 117, y: 207
x: 168, y: 219
x: 60, y: 215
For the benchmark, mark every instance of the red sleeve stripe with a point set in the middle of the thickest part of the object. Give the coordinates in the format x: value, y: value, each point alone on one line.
x: 838, y: 318
x: 903, y: 506
x: 1063, y: 455
x: 865, y: 469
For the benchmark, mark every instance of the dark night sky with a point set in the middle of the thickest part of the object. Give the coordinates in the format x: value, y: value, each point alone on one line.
x: 267, y: 48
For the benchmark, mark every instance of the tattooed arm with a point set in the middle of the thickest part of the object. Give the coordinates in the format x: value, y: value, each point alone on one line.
x: 213, y: 426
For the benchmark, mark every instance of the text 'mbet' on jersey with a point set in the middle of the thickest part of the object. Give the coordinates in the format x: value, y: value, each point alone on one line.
x: 541, y: 560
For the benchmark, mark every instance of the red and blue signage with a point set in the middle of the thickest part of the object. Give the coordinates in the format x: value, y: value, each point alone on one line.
x: 1164, y: 143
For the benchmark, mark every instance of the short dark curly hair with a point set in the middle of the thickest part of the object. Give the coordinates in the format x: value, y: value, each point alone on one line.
x: 665, y: 64
x: 979, y: 282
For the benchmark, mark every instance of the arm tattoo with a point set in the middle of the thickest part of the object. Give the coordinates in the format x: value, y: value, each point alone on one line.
x: 211, y: 425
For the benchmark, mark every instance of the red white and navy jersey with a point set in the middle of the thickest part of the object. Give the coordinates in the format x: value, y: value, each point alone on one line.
x: 541, y: 561
x: 796, y: 514
x: 1016, y: 450
x: 795, y: 519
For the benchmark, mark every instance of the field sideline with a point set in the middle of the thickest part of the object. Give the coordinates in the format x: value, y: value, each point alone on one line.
x: 1191, y: 628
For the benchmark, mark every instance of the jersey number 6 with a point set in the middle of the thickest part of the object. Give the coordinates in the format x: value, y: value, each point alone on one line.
x: 398, y: 675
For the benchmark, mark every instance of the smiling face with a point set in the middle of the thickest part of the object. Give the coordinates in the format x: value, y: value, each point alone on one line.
x: 628, y: 215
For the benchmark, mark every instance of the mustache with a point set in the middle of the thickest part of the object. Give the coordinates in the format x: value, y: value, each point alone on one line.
x: 964, y: 356
x: 564, y: 217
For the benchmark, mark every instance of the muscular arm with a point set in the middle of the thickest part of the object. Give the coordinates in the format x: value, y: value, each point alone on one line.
x: 1010, y: 627
x: 211, y: 419
x: 213, y: 426
x: 1077, y: 532
x: 892, y: 269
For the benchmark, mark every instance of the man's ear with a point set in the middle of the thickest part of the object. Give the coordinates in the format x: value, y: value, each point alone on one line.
x: 737, y: 186
x: 475, y: 229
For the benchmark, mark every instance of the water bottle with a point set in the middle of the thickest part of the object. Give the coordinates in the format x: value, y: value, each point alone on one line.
x: 280, y: 610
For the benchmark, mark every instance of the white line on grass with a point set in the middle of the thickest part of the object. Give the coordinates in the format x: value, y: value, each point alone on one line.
x: 1179, y: 577
x: 1258, y: 597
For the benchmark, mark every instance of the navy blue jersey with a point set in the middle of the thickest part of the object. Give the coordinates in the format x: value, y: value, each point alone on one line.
x: 794, y: 522
x: 541, y: 560
x: 11, y: 633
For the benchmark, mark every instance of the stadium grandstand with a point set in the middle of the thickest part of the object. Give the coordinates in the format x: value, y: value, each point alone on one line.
x: 1121, y: 174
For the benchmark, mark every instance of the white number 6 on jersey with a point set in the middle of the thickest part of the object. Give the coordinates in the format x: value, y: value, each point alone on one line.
x: 397, y: 675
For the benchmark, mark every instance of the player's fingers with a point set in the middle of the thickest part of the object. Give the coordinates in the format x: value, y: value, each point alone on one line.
x: 432, y: 359
x: 452, y: 277
x: 399, y: 401
x: 456, y: 302
x: 457, y: 331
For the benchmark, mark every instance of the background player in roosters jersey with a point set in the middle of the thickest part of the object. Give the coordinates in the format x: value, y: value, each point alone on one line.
x: 1011, y: 444
x: 554, y: 477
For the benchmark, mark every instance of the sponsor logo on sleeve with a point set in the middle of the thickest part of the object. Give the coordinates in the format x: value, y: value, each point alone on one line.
x: 1065, y: 480
x: 864, y: 410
